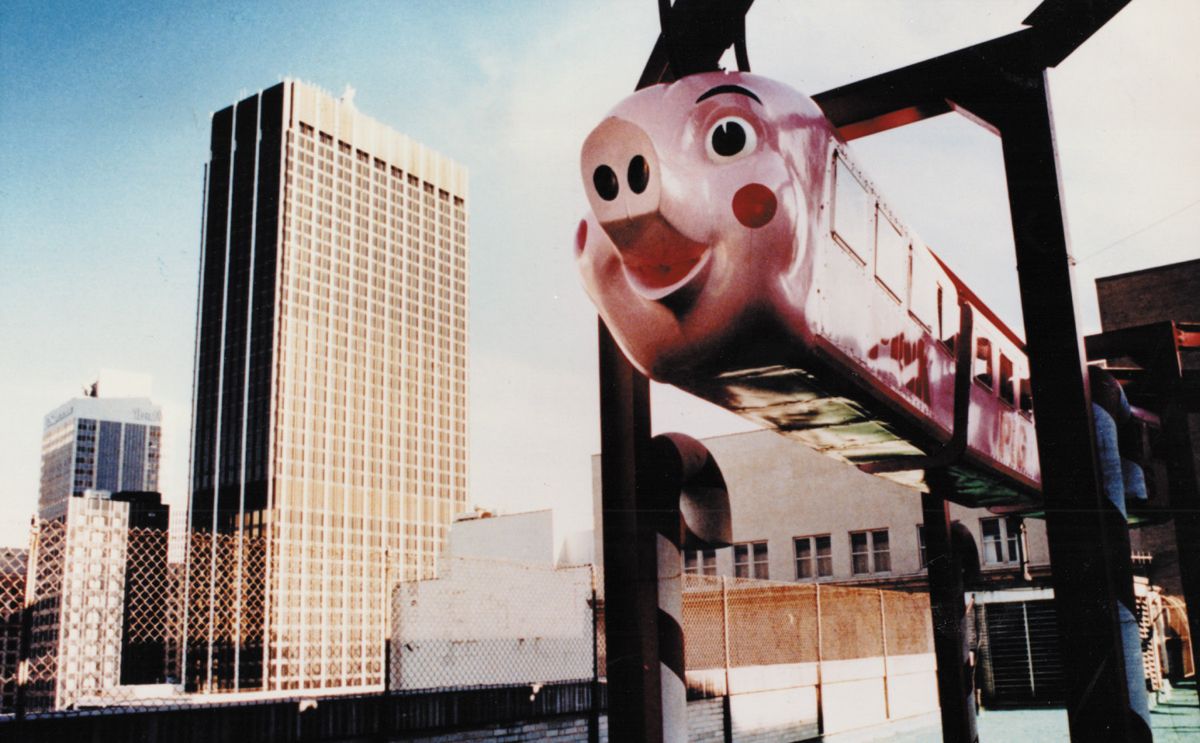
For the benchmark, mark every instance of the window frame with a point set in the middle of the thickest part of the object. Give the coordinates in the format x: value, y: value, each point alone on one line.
x: 871, y: 551
x: 820, y: 565
x: 753, y: 561
x: 1006, y: 541
x: 986, y: 378
x: 700, y: 562
x: 863, y: 254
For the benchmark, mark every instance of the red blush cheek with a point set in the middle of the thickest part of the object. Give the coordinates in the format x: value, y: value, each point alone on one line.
x: 754, y: 205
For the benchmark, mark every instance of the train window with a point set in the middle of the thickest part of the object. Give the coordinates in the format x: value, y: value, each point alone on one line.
x: 983, y: 362
x: 891, y: 257
x: 1026, y: 397
x: 949, y: 315
x: 1006, y: 379
x: 853, y: 213
x: 940, y: 333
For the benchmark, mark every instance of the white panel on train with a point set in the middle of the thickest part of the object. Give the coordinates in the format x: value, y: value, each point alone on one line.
x: 891, y: 256
x: 853, y: 213
x: 922, y: 301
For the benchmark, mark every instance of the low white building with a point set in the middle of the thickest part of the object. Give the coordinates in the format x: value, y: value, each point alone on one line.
x: 500, y: 611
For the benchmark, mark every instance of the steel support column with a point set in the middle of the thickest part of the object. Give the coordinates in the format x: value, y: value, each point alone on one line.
x: 1089, y: 541
x: 956, y: 688
x: 630, y: 550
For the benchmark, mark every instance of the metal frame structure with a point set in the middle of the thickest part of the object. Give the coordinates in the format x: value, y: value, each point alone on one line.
x: 1000, y: 84
x: 1162, y: 382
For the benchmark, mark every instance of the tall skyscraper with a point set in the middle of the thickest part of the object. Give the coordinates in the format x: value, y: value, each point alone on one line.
x: 98, y: 443
x: 329, y: 443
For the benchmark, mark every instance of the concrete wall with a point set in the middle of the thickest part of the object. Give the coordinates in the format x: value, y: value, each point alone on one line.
x: 780, y: 490
x: 492, y: 622
x: 518, y: 537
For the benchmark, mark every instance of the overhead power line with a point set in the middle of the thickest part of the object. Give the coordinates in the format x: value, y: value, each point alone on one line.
x: 1137, y: 232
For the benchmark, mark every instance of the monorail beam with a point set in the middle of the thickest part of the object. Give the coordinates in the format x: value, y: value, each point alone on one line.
x: 630, y: 550
x: 956, y: 691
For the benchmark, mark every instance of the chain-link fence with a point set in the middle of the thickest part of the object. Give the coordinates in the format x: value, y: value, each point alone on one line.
x: 493, y: 623
x: 99, y: 613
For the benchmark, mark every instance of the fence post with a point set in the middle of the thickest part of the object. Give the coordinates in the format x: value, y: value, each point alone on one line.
x: 820, y: 663
x: 594, y: 711
x: 726, y: 707
x: 887, y: 702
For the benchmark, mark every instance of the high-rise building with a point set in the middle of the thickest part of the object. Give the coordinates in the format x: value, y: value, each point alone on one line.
x: 76, y: 601
x: 102, y: 443
x: 13, y: 568
x: 329, y: 442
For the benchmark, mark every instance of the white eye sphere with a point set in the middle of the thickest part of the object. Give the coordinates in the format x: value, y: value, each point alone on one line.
x: 729, y: 138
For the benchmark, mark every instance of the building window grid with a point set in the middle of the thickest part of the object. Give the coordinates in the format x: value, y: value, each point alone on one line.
x: 436, y: 422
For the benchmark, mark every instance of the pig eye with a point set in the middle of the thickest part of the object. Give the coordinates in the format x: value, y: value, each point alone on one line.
x: 729, y: 138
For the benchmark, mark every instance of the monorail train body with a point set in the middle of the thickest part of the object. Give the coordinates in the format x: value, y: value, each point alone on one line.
x: 734, y: 249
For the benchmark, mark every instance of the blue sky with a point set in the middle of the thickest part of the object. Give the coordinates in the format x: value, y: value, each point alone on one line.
x: 104, y: 113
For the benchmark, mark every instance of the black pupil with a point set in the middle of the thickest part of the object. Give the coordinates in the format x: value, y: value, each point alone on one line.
x: 639, y: 174
x: 605, y: 181
x: 728, y: 138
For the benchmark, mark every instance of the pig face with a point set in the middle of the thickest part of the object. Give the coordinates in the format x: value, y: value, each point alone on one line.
x: 702, y: 209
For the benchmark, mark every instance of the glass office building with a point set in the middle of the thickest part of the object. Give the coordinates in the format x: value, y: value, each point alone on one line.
x: 98, y: 443
x: 329, y: 442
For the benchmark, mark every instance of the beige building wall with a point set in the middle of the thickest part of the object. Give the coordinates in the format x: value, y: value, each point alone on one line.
x: 780, y: 490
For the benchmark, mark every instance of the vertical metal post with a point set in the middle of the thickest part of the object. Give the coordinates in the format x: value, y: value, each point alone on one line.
x: 948, y: 609
x: 726, y: 706
x: 1028, y: 649
x: 630, y: 550
x: 594, y: 711
x: 671, y: 659
x: 887, y: 701
x: 820, y: 662
x: 1185, y: 502
x: 1089, y: 545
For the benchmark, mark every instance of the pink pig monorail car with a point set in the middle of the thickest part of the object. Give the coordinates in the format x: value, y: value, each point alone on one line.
x: 735, y: 250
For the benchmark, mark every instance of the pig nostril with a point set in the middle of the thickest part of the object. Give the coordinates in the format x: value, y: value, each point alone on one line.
x: 639, y: 174
x: 605, y: 181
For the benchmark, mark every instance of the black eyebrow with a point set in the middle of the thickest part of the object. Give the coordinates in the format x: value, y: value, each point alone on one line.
x: 729, y: 89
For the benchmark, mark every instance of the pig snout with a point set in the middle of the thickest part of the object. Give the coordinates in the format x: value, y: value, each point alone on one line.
x: 622, y: 177
x: 620, y: 173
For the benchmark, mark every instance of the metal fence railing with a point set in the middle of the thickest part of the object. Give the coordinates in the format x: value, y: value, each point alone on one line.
x: 98, y: 614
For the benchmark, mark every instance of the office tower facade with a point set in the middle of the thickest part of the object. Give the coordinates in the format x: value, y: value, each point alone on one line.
x: 98, y: 443
x: 151, y: 599
x: 329, y: 442
x: 76, y: 602
x: 14, y: 564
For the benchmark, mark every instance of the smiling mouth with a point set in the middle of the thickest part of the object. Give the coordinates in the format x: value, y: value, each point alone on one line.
x: 658, y: 279
x: 657, y: 259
